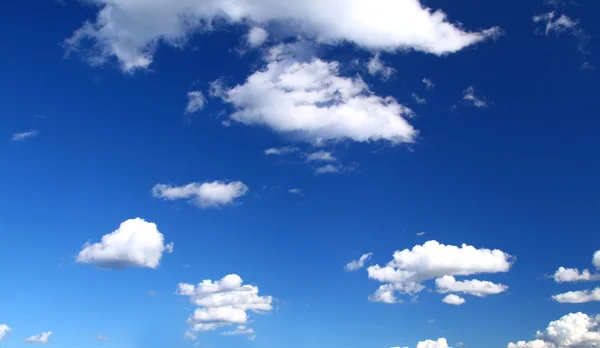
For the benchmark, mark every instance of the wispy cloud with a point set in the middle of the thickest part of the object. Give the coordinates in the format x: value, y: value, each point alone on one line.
x: 419, y: 100
x: 24, y: 135
x: 428, y: 83
x: 470, y: 98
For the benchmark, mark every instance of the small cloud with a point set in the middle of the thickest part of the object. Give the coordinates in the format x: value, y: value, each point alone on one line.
x: 4, y: 330
x: 296, y: 191
x: 102, y: 338
x: 151, y: 293
x: 453, y: 300
x: 257, y: 36
x: 419, y: 100
x: 43, y: 338
x: 358, y: 264
x: 560, y: 3
x: 329, y: 169
x: 419, y: 234
x: 459, y: 344
x: 204, y: 195
x: 320, y: 156
x: 24, y: 135
x: 429, y: 85
x: 196, y: 102
x: 470, y: 98
x: 281, y: 151
x: 376, y: 67
x: 431, y: 321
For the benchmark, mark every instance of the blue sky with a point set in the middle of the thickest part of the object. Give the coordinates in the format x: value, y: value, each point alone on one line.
x: 273, y: 143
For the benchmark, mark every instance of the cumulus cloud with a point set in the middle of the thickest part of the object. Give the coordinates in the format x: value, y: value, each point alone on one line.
x: 310, y: 100
x: 572, y: 330
x: 223, y: 303
x: 43, y: 338
x: 4, y: 330
x: 440, y: 343
x: 474, y: 287
x: 409, y: 268
x: 582, y: 296
x: 377, y: 67
x: 131, y: 31
x: 204, y: 195
x: 24, y: 135
x: 320, y: 156
x: 136, y: 243
x: 196, y: 102
x: 565, y: 275
x: 453, y: 299
x: 358, y: 264
x: 428, y: 83
x: 257, y: 36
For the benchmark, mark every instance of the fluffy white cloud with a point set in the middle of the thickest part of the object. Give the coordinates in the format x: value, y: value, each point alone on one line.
x: 24, y: 135
x: 564, y: 275
x: 309, y: 99
x: 257, y: 36
x: 43, y: 338
x: 204, y: 195
x: 596, y: 259
x: 376, y: 67
x: 136, y: 243
x: 572, y: 330
x: 474, y: 287
x: 320, y: 156
x: 428, y: 83
x: 280, y: 151
x: 440, y: 343
x: 132, y: 30
x: 4, y: 330
x: 582, y: 296
x: 453, y: 299
x: 223, y: 303
x: 195, y: 102
x: 410, y: 268
x: 358, y: 264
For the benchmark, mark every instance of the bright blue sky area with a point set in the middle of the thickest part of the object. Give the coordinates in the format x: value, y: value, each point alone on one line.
x: 520, y: 175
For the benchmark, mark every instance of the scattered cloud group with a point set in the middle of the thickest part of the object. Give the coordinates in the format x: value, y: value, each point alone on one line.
x: 358, y: 264
x: 204, y: 195
x: 310, y: 100
x: 410, y: 268
x: 223, y: 303
x: 132, y: 31
x: 136, y: 243
x: 570, y: 275
x: 24, y: 135
x: 572, y: 330
x: 43, y: 338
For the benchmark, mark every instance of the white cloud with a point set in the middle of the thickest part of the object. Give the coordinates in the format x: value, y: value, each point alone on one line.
x: 409, y: 268
x: 358, y: 264
x: 102, y: 338
x: 280, y: 151
x: 240, y: 330
x: 131, y: 31
x: 563, y: 24
x: 419, y: 100
x: 582, y: 296
x: 196, y: 102
x: 24, y: 135
x: 320, y: 156
x: 136, y: 243
x: 257, y: 36
x: 428, y: 83
x: 295, y: 191
x: 564, y: 275
x: 596, y: 259
x: 572, y: 330
x: 310, y: 100
x: 4, y: 330
x: 43, y: 338
x: 376, y: 67
x: 474, y: 287
x: 453, y: 299
x: 459, y: 344
x: 440, y: 343
x: 329, y: 169
x: 560, y: 3
x: 419, y: 234
x: 204, y: 195
x: 470, y: 98
x: 223, y: 303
